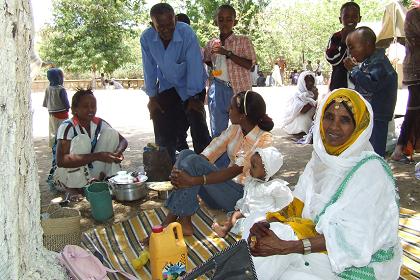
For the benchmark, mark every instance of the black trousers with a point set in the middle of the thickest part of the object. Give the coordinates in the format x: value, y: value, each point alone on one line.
x: 410, y: 125
x: 171, y: 125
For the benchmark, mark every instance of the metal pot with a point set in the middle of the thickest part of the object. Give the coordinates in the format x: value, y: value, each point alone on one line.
x: 164, y: 194
x: 129, y: 191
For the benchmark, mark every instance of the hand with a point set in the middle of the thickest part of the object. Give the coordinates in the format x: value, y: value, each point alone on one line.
x: 109, y: 157
x: 349, y: 63
x: 260, y: 229
x: 195, y: 104
x: 154, y: 106
x: 219, y: 49
x: 315, y: 92
x: 181, y: 179
x: 269, y: 245
x: 120, y: 157
x: 345, y: 31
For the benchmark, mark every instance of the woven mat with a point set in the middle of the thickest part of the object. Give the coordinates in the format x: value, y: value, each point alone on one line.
x: 120, y: 243
x: 409, y: 233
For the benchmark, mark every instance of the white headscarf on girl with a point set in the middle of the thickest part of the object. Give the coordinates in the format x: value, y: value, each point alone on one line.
x: 299, y: 99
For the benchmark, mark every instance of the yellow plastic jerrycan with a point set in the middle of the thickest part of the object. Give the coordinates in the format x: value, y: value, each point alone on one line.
x: 168, y: 253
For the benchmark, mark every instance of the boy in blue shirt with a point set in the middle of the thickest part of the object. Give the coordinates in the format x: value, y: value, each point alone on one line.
x: 56, y: 101
x: 174, y: 79
x: 375, y: 79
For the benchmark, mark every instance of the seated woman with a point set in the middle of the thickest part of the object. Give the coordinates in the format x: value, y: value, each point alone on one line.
x: 300, y: 109
x: 194, y: 174
x: 87, y: 146
x: 345, y: 204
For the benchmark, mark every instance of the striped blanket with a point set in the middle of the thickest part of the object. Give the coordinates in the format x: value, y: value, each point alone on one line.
x: 410, y: 240
x: 120, y: 243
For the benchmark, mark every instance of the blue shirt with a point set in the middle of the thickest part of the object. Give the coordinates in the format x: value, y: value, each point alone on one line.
x: 377, y: 81
x: 180, y: 65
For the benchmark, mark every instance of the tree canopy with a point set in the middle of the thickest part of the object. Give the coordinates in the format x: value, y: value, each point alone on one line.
x: 88, y: 36
x: 297, y: 30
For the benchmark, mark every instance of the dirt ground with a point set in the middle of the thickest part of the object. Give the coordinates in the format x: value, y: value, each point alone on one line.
x: 126, y: 111
x: 296, y: 157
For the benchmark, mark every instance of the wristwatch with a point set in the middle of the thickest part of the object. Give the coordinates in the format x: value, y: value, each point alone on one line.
x: 229, y: 54
x: 307, y: 247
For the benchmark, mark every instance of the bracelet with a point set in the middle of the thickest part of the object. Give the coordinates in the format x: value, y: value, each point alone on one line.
x: 307, y: 248
x: 204, y: 179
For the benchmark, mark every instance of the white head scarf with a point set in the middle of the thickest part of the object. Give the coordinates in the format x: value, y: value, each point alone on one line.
x: 299, y: 99
x: 272, y: 160
x: 301, y: 82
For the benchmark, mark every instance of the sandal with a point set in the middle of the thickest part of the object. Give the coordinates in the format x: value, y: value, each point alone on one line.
x: 404, y: 159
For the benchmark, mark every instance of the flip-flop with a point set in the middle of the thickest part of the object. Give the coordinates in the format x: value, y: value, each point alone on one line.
x: 404, y: 159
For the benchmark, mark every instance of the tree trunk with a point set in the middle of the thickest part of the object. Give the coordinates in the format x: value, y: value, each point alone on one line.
x: 22, y: 255
x: 93, y: 85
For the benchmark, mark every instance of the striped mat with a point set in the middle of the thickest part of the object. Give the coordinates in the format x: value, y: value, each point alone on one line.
x: 120, y: 243
x: 409, y: 233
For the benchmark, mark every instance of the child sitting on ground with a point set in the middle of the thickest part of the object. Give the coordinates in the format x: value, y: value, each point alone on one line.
x: 261, y: 195
x: 87, y: 147
x: 300, y: 108
x: 375, y: 79
x: 56, y: 101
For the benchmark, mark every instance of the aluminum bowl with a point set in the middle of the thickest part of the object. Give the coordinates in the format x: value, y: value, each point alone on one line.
x: 129, y: 191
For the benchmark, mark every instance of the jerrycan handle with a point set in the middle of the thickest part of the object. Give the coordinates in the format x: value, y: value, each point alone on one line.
x: 178, y: 228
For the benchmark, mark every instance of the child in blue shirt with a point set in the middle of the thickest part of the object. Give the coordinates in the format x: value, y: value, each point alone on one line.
x: 56, y: 101
x: 375, y: 79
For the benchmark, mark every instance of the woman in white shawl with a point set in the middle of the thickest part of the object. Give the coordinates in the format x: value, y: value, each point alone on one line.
x: 345, y: 204
x: 300, y: 108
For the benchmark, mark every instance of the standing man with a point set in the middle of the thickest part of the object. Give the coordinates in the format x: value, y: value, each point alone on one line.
x: 282, y: 64
x: 174, y: 78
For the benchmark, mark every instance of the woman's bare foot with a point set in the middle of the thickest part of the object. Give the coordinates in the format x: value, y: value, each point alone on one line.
x: 221, y: 231
x: 187, y: 226
x: 170, y: 218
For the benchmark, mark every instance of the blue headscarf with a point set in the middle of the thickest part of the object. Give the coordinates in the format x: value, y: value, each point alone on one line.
x: 55, y: 76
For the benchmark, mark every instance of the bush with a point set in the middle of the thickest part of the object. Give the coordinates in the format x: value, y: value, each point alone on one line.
x: 129, y: 71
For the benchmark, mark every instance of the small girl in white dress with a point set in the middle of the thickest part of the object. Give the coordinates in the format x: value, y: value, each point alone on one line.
x: 261, y: 195
x: 298, y: 113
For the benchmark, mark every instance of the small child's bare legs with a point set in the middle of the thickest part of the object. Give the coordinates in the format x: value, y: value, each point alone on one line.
x: 223, y: 230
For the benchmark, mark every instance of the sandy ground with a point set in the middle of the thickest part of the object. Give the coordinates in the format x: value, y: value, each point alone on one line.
x: 126, y: 111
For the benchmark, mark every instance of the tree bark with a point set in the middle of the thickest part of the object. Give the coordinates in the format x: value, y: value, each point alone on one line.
x: 22, y: 255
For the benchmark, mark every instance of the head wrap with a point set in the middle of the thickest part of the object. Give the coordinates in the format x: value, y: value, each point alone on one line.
x: 301, y: 84
x: 272, y: 160
x: 359, y: 113
x: 55, y: 76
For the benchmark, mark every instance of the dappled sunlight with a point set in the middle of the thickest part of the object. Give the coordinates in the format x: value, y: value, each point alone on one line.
x: 138, y: 130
